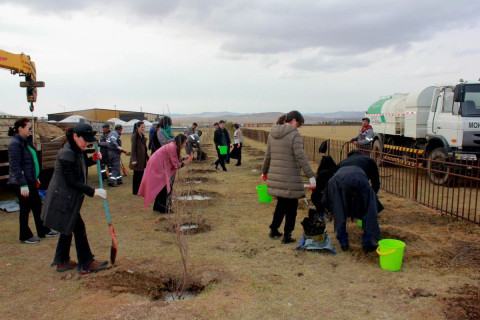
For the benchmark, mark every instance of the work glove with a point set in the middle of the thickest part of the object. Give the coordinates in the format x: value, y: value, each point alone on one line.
x: 37, y: 184
x: 120, y: 149
x: 264, y: 177
x: 134, y: 163
x: 24, y: 191
x: 97, y: 156
x: 102, y: 193
x: 313, y: 183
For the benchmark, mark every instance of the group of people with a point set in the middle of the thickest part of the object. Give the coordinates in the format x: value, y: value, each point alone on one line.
x: 345, y: 189
x: 60, y: 213
x: 223, y: 144
x: 348, y: 189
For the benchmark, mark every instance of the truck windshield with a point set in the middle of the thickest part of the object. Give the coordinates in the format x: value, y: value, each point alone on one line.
x: 471, y: 104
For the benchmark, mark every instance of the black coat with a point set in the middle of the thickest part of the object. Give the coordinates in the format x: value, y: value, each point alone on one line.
x: 67, y: 189
x: 367, y: 164
x: 21, y: 163
x: 217, y: 137
x: 349, y: 194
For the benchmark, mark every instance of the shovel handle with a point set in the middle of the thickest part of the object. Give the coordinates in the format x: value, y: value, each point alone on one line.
x: 100, y: 180
x: 385, y: 253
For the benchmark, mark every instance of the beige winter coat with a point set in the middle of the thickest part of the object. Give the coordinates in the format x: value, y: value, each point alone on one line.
x: 283, y: 159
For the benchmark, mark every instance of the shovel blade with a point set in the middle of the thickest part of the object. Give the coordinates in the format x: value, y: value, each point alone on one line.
x: 114, y: 248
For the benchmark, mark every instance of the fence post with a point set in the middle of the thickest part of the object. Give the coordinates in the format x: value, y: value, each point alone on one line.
x: 415, y: 186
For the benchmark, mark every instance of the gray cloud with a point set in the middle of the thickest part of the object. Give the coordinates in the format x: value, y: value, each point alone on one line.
x: 338, y: 28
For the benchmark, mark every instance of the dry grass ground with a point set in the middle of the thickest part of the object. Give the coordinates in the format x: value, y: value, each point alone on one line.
x: 244, y: 274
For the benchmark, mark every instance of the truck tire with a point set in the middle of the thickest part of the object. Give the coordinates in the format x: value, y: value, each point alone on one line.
x: 377, y: 152
x: 438, y: 172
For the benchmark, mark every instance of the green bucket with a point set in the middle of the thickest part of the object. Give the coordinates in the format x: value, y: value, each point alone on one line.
x: 223, y: 149
x: 263, y: 195
x: 391, y: 254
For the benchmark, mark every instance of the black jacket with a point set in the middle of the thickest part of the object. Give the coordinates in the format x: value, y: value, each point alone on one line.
x: 21, y: 163
x: 348, y: 194
x: 67, y: 189
x: 367, y: 164
x: 217, y: 137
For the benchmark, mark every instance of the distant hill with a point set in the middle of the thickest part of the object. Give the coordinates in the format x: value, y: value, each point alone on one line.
x: 265, y: 117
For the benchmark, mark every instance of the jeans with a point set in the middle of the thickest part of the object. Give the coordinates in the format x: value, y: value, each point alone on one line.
x: 84, y: 254
x: 33, y: 203
x: 288, y: 208
x: 342, y: 235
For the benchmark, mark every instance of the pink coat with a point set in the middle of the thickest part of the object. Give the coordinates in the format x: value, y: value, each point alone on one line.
x: 160, y: 168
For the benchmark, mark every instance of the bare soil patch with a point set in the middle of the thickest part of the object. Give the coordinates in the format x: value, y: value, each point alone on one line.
x: 463, y: 304
x: 153, y: 284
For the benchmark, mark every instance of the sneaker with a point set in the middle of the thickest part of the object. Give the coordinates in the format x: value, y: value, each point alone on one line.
x: 238, y: 164
x: 275, y: 233
x: 51, y: 234
x: 95, y: 265
x: 32, y: 240
x: 67, y: 266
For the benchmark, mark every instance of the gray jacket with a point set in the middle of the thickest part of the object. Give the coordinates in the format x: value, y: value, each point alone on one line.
x: 283, y: 160
x: 66, y: 190
x: 364, y: 138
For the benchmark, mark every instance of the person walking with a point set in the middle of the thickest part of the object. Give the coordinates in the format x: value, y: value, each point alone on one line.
x: 283, y: 160
x: 103, y: 143
x: 349, y: 194
x: 221, y: 139
x: 115, y: 150
x: 157, y: 182
x: 237, y: 145
x: 165, y: 134
x: 364, y: 138
x: 24, y: 170
x: 64, y: 199
x: 138, y: 155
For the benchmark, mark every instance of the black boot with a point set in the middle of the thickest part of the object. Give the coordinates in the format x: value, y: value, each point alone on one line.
x: 369, y: 247
x: 274, y: 233
x: 287, y: 238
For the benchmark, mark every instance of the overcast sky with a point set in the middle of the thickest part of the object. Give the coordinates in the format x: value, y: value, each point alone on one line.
x: 240, y: 56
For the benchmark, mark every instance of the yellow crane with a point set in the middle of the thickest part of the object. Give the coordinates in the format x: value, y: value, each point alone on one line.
x: 22, y: 65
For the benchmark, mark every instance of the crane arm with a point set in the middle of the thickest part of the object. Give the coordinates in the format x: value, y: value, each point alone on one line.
x: 22, y: 65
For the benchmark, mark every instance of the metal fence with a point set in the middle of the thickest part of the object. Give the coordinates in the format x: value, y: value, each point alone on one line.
x: 410, y: 175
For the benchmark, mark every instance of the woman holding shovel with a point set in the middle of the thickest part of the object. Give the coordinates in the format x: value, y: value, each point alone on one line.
x: 64, y: 199
x: 157, y: 182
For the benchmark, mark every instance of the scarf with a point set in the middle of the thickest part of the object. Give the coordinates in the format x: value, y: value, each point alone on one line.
x: 366, y: 128
x: 168, y: 132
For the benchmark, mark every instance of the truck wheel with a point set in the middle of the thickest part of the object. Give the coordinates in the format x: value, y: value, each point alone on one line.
x: 438, y: 172
x: 377, y: 152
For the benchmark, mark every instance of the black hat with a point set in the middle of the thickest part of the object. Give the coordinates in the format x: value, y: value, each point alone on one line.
x: 105, y: 125
x: 85, y: 131
x: 221, y: 121
x: 368, y: 119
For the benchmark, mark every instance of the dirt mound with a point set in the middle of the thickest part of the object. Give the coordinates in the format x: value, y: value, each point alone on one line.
x: 49, y: 131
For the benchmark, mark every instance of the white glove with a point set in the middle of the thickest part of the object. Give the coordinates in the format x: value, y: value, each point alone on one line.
x: 24, y: 191
x: 313, y: 183
x: 102, y: 193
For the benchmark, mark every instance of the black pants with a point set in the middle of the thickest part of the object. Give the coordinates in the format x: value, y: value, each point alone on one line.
x: 137, y: 180
x: 84, y: 254
x: 237, y: 153
x: 163, y: 201
x: 288, y: 208
x: 221, y: 161
x: 33, y: 203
